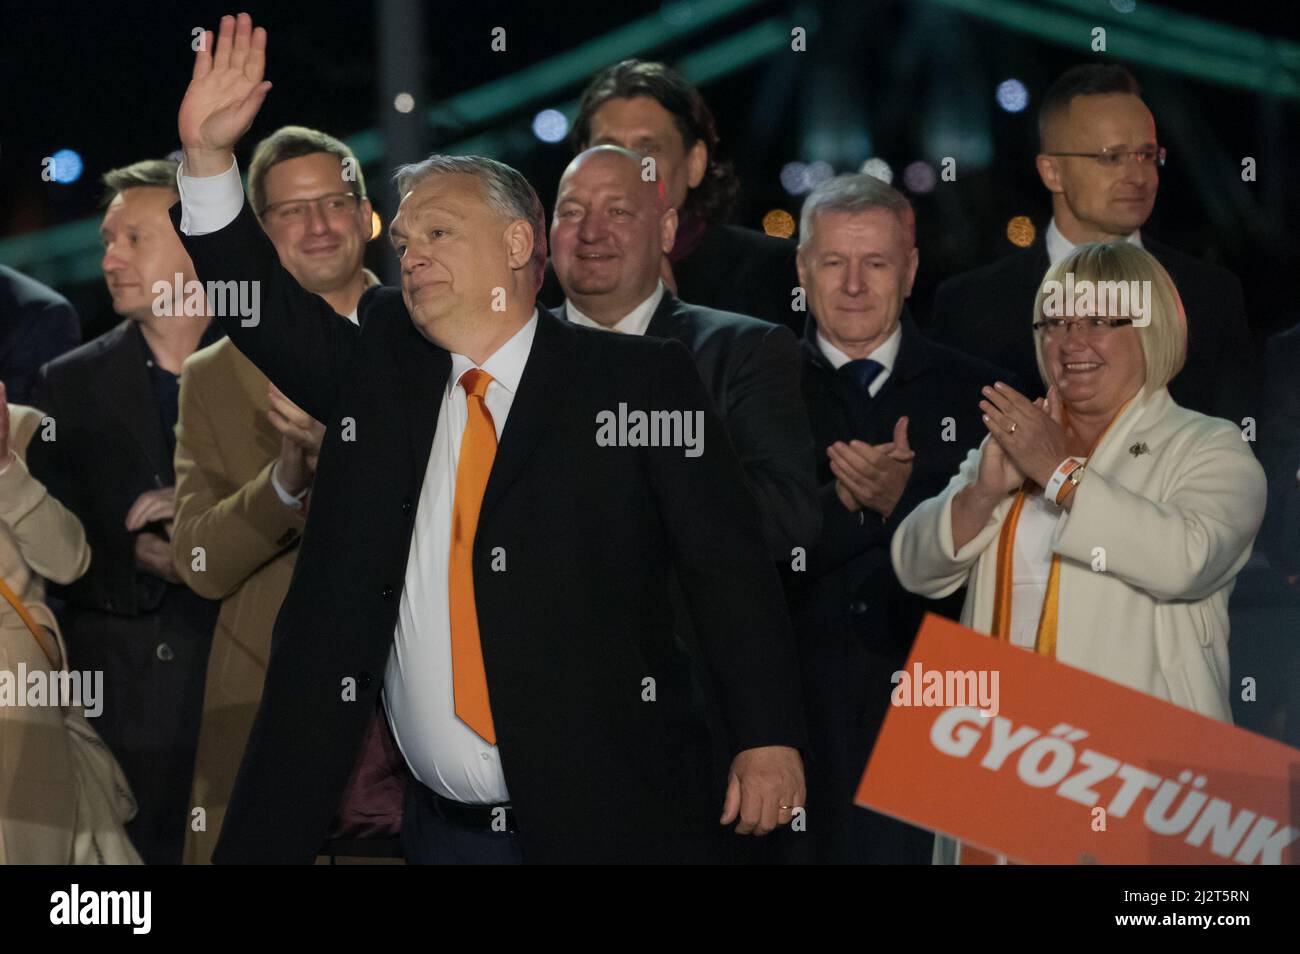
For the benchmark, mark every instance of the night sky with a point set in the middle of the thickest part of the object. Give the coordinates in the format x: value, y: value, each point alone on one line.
x: 106, y: 80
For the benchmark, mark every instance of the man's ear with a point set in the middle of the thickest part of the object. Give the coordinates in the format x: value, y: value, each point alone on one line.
x: 913, y: 262
x: 366, y: 212
x: 697, y: 163
x: 519, y: 243
x: 801, y: 267
x: 668, y: 230
x: 1049, y: 170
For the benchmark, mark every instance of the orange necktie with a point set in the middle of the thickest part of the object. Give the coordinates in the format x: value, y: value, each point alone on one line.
x: 478, y: 448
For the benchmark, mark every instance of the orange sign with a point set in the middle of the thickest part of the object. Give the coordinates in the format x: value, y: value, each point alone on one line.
x: 1058, y: 766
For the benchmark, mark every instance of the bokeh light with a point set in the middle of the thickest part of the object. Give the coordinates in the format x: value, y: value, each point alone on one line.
x: 920, y: 177
x: 794, y: 178
x: 779, y: 222
x: 67, y: 166
x: 550, y: 125
x: 1021, y: 231
x: 819, y: 172
x: 1012, y: 95
x: 879, y: 168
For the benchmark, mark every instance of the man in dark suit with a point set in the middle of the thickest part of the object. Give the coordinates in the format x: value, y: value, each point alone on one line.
x: 893, y: 416
x: 109, y: 460
x: 1100, y: 161
x: 513, y: 589
x: 610, y: 233
x: 651, y: 109
x: 37, y: 324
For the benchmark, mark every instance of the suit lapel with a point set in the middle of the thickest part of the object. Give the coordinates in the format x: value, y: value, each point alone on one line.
x: 422, y: 370
x: 667, y: 320
x: 547, y: 377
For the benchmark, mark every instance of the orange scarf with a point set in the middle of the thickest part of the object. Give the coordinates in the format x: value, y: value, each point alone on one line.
x: 1045, y: 639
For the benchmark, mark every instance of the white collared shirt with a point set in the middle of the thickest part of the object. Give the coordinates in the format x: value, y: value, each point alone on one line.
x: 886, y: 353
x: 635, y: 322
x: 441, y: 750
x: 1058, y: 246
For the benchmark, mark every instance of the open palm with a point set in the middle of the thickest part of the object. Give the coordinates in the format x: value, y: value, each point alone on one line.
x: 226, y: 89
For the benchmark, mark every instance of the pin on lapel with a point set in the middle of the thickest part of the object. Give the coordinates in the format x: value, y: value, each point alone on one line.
x: 1139, y: 449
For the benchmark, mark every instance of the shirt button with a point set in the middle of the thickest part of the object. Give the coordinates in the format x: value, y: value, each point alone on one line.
x: 484, y: 756
x: 164, y: 652
x: 387, y: 594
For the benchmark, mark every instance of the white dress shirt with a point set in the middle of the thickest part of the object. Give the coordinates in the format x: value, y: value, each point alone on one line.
x: 886, y: 354
x: 635, y: 322
x: 441, y: 750
x: 1058, y: 246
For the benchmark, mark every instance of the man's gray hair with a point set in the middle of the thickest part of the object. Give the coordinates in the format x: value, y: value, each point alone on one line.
x: 856, y: 192
x: 507, y: 192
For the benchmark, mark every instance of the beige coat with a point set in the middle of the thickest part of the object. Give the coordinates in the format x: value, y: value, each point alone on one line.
x: 38, y: 537
x: 1171, y: 501
x: 226, y: 505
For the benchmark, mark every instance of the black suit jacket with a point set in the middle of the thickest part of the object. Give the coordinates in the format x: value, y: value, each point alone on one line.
x: 854, y: 622
x: 751, y: 370
x: 739, y: 269
x: 1279, y: 452
x: 732, y: 269
x: 108, y: 448
x: 987, y: 313
x: 569, y: 631
x: 36, y: 325
x: 850, y: 584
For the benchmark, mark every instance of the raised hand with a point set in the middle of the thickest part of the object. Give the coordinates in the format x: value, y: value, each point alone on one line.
x: 225, y: 93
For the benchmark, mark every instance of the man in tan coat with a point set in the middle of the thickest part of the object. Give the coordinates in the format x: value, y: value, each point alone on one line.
x: 246, y: 455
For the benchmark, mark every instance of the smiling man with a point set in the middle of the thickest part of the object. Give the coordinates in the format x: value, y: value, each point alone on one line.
x: 611, y: 231
x: 503, y: 584
x: 651, y: 109
x: 1100, y: 158
x: 892, y: 415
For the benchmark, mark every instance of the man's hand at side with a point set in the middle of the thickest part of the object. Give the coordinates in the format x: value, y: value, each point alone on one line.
x: 763, y: 780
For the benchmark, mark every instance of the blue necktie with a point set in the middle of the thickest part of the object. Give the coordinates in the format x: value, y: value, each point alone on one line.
x: 862, y: 371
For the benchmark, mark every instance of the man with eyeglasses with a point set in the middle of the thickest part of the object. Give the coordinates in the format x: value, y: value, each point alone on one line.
x: 1100, y: 160
x: 246, y: 459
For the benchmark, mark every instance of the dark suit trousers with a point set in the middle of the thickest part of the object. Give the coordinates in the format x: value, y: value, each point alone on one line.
x: 429, y: 839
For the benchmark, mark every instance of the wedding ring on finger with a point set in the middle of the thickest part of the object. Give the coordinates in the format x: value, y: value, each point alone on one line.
x: 1012, y: 428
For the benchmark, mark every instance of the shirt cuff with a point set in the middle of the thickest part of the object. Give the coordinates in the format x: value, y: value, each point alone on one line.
x: 210, y: 203
x: 286, y: 498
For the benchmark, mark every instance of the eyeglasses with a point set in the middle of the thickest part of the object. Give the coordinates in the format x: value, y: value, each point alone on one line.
x: 1088, y: 327
x: 336, y: 205
x: 1114, y: 158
